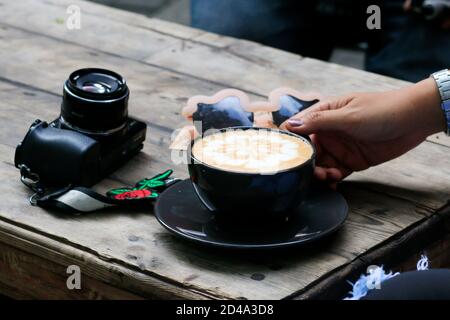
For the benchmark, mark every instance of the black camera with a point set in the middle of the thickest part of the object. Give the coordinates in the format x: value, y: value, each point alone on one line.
x: 91, y: 138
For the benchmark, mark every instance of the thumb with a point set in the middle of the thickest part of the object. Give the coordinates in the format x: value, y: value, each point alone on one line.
x: 317, y: 121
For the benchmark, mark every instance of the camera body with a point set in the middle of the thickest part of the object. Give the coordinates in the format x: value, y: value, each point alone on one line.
x: 92, y: 137
x: 60, y: 156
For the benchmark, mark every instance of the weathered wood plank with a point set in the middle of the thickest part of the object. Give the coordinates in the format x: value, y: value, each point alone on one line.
x: 164, y: 65
x: 36, y: 277
x: 228, y: 274
x: 440, y: 138
x: 421, y: 175
x: 186, y: 53
x: 171, y: 91
x: 240, y: 64
x: 271, y: 58
x: 220, y: 274
x: 105, y: 277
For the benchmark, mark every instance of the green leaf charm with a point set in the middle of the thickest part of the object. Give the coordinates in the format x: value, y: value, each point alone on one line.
x: 144, y: 189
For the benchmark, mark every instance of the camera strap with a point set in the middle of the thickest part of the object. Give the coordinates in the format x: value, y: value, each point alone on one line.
x: 77, y: 199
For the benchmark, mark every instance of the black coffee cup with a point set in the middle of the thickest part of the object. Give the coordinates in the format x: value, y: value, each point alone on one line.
x: 232, y: 193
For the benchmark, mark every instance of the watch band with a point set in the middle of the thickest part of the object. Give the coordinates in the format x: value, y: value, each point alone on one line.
x: 442, y: 79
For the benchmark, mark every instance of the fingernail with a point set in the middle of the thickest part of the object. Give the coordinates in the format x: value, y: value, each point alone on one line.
x: 295, y: 122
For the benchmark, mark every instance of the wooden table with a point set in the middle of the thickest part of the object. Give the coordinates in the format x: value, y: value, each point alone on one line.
x: 397, y: 210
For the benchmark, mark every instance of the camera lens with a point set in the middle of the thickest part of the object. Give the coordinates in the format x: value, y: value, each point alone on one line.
x: 95, y: 100
x: 96, y: 87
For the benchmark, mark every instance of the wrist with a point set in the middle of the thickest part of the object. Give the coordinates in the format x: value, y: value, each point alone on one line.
x: 426, y: 102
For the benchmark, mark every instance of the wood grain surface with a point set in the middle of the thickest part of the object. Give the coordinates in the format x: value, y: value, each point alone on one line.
x: 127, y: 254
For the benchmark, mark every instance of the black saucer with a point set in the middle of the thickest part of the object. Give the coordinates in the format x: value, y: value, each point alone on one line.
x: 180, y: 211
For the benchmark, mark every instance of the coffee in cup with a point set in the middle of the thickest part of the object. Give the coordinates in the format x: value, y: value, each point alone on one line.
x: 252, y: 151
x: 251, y: 170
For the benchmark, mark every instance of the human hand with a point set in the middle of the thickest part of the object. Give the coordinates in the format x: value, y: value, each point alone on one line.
x: 360, y: 130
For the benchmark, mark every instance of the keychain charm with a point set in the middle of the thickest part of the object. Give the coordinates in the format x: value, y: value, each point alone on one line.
x: 144, y: 189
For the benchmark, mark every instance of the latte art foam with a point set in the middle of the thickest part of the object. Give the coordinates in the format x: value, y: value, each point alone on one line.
x: 252, y: 151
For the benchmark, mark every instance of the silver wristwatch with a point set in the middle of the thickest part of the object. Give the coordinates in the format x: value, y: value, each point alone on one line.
x: 442, y: 79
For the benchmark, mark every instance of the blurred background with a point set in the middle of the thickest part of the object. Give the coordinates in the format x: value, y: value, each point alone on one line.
x: 410, y: 40
x: 172, y: 10
x: 179, y: 11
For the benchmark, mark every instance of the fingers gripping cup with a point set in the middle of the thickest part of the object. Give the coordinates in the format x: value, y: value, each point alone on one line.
x: 249, y: 170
